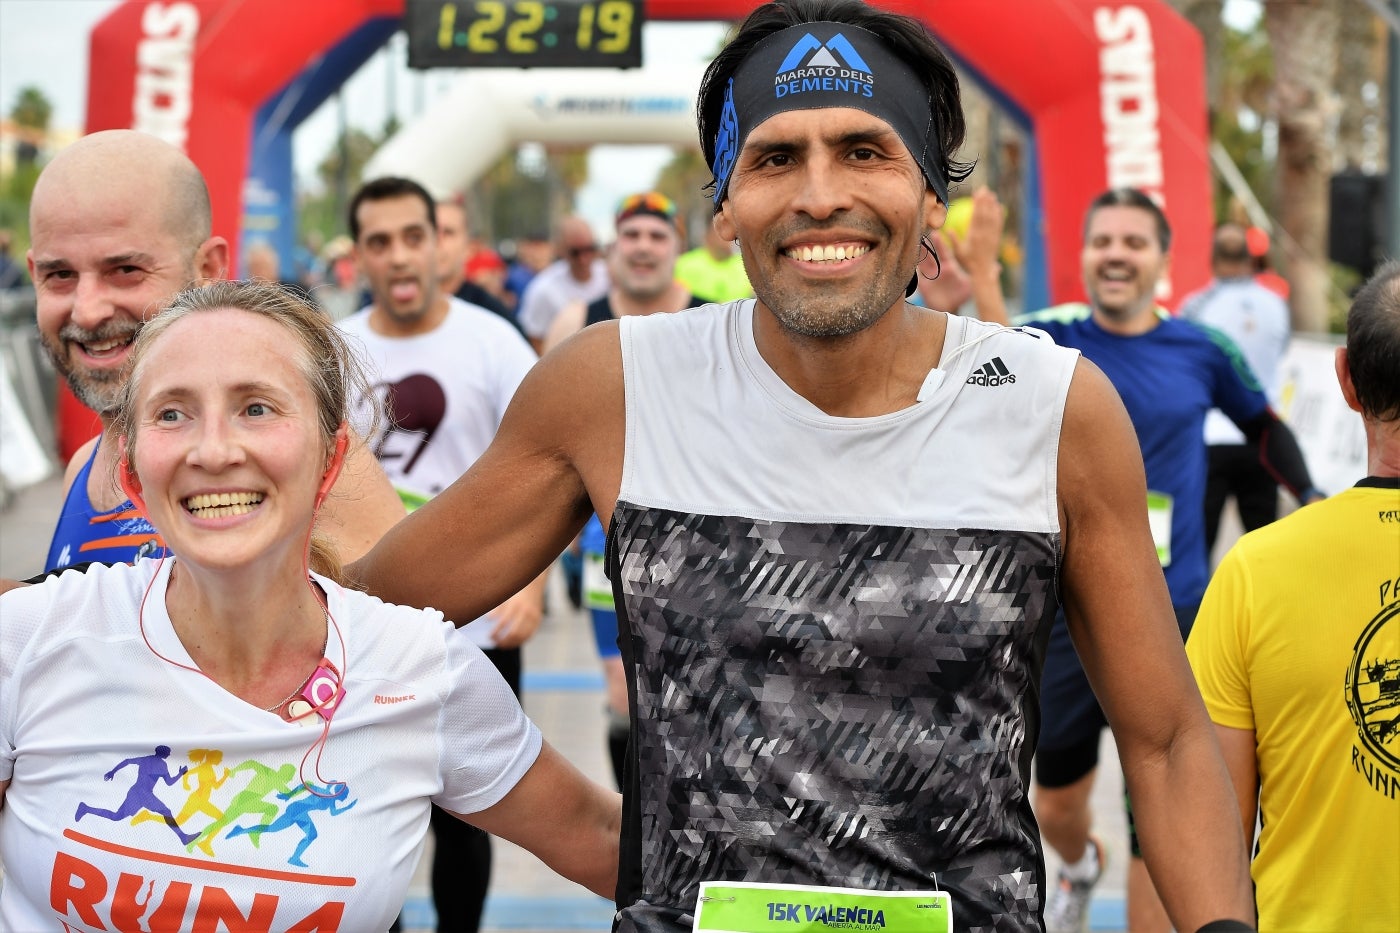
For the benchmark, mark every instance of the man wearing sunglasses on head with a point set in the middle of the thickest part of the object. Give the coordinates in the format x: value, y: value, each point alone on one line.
x: 578, y: 274
x: 641, y: 267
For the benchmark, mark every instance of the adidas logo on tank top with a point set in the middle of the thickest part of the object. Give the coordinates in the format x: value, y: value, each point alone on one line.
x: 993, y: 373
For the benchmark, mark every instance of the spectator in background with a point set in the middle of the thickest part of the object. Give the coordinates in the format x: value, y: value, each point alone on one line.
x: 340, y: 295
x: 579, y: 274
x: 444, y: 371
x: 487, y: 270
x: 1256, y: 319
x: 1169, y: 374
x: 641, y: 266
x: 715, y: 270
x: 970, y: 252
x: 263, y: 264
x: 1297, y: 653
x: 11, y: 272
x: 454, y: 250
x: 530, y: 254
x: 306, y: 260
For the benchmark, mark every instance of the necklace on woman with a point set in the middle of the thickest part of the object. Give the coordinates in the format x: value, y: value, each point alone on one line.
x: 293, y: 695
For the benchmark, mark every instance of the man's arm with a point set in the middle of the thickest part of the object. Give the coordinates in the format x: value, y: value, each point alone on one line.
x: 516, y: 620
x: 1238, y: 747
x: 362, y: 504
x: 1281, y: 456
x: 1121, y: 620
x: 978, y: 252
x: 570, y: 823
x: 533, y: 313
x: 505, y: 520
x: 1238, y: 394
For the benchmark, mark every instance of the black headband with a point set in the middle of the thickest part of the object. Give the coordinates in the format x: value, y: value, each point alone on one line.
x: 816, y: 65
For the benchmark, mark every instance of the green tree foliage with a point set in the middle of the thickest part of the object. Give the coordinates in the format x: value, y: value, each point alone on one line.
x: 32, y: 109
x: 340, y: 172
x: 1240, y: 113
x: 31, y: 113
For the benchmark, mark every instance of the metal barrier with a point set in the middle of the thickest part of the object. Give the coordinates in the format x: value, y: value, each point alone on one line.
x: 27, y: 366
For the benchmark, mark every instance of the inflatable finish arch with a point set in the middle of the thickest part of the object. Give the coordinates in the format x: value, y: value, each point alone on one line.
x: 1113, y: 93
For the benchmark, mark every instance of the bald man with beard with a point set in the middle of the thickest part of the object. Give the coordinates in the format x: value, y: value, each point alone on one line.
x: 119, y: 222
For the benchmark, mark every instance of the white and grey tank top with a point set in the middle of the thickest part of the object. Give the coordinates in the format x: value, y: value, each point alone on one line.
x: 834, y: 627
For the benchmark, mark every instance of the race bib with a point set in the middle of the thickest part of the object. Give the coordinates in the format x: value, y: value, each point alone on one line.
x: 746, y: 907
x: 1159, y: 519
x: 412, y: 501
x: 597, y: 591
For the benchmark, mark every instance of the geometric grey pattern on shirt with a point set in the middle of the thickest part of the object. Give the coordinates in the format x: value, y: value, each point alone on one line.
x: 832, y: 704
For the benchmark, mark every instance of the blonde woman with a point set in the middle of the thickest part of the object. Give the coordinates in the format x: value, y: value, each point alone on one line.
x: 336, y: 718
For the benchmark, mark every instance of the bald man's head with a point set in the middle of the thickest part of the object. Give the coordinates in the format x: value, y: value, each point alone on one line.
x: 578, y: 246
x: 119, y: 222
x: 131, y: 162
x: 1229, y: 252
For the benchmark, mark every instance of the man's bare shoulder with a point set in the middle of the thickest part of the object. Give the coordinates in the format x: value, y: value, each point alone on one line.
x: 566, y: 323
x: 574, y: 393
x: 1091, y: 395
x: 1100, y: 464
x: 571, y: 408
x: 77, y: 462
x: 592, y: 355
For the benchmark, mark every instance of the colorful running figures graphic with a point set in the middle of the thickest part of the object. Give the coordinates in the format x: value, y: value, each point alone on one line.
x: 202, y: 779
x: 251, y: 799
x: 142, y: 796
x: 298, y: 814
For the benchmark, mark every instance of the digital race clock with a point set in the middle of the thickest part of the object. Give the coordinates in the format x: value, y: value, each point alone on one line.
x: 524, y: 33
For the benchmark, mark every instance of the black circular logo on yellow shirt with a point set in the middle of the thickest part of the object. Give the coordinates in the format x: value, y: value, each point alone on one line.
x: 1373, y: 686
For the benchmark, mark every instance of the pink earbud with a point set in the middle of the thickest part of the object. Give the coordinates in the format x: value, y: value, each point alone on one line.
x: 342, y: 440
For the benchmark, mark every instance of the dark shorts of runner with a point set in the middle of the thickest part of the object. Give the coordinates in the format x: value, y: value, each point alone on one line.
x: 1071, y: 719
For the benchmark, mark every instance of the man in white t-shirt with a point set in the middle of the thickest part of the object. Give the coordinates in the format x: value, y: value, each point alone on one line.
x: 578, y: 275
x: 445, y: 371
x: 1257, y: 320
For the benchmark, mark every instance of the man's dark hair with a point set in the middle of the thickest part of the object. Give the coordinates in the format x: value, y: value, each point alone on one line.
x: 382, y: 189
x: 1131, y: 197
x: 905, y: 37
x: 1373, y: 344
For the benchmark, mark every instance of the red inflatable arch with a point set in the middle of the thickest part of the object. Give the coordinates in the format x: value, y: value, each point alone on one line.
x: 1114, y: 93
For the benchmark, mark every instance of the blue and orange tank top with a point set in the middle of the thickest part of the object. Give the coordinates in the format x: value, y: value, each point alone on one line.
x: 119, y: 536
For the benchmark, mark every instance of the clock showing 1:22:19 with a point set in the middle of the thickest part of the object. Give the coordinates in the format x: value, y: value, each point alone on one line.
x: 524, y: 33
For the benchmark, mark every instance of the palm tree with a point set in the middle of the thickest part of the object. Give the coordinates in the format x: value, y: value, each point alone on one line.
x: 31, y: 114
x: 1304, y: 37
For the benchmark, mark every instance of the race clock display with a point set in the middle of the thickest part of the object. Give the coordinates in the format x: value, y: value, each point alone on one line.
x: 524, y: 33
